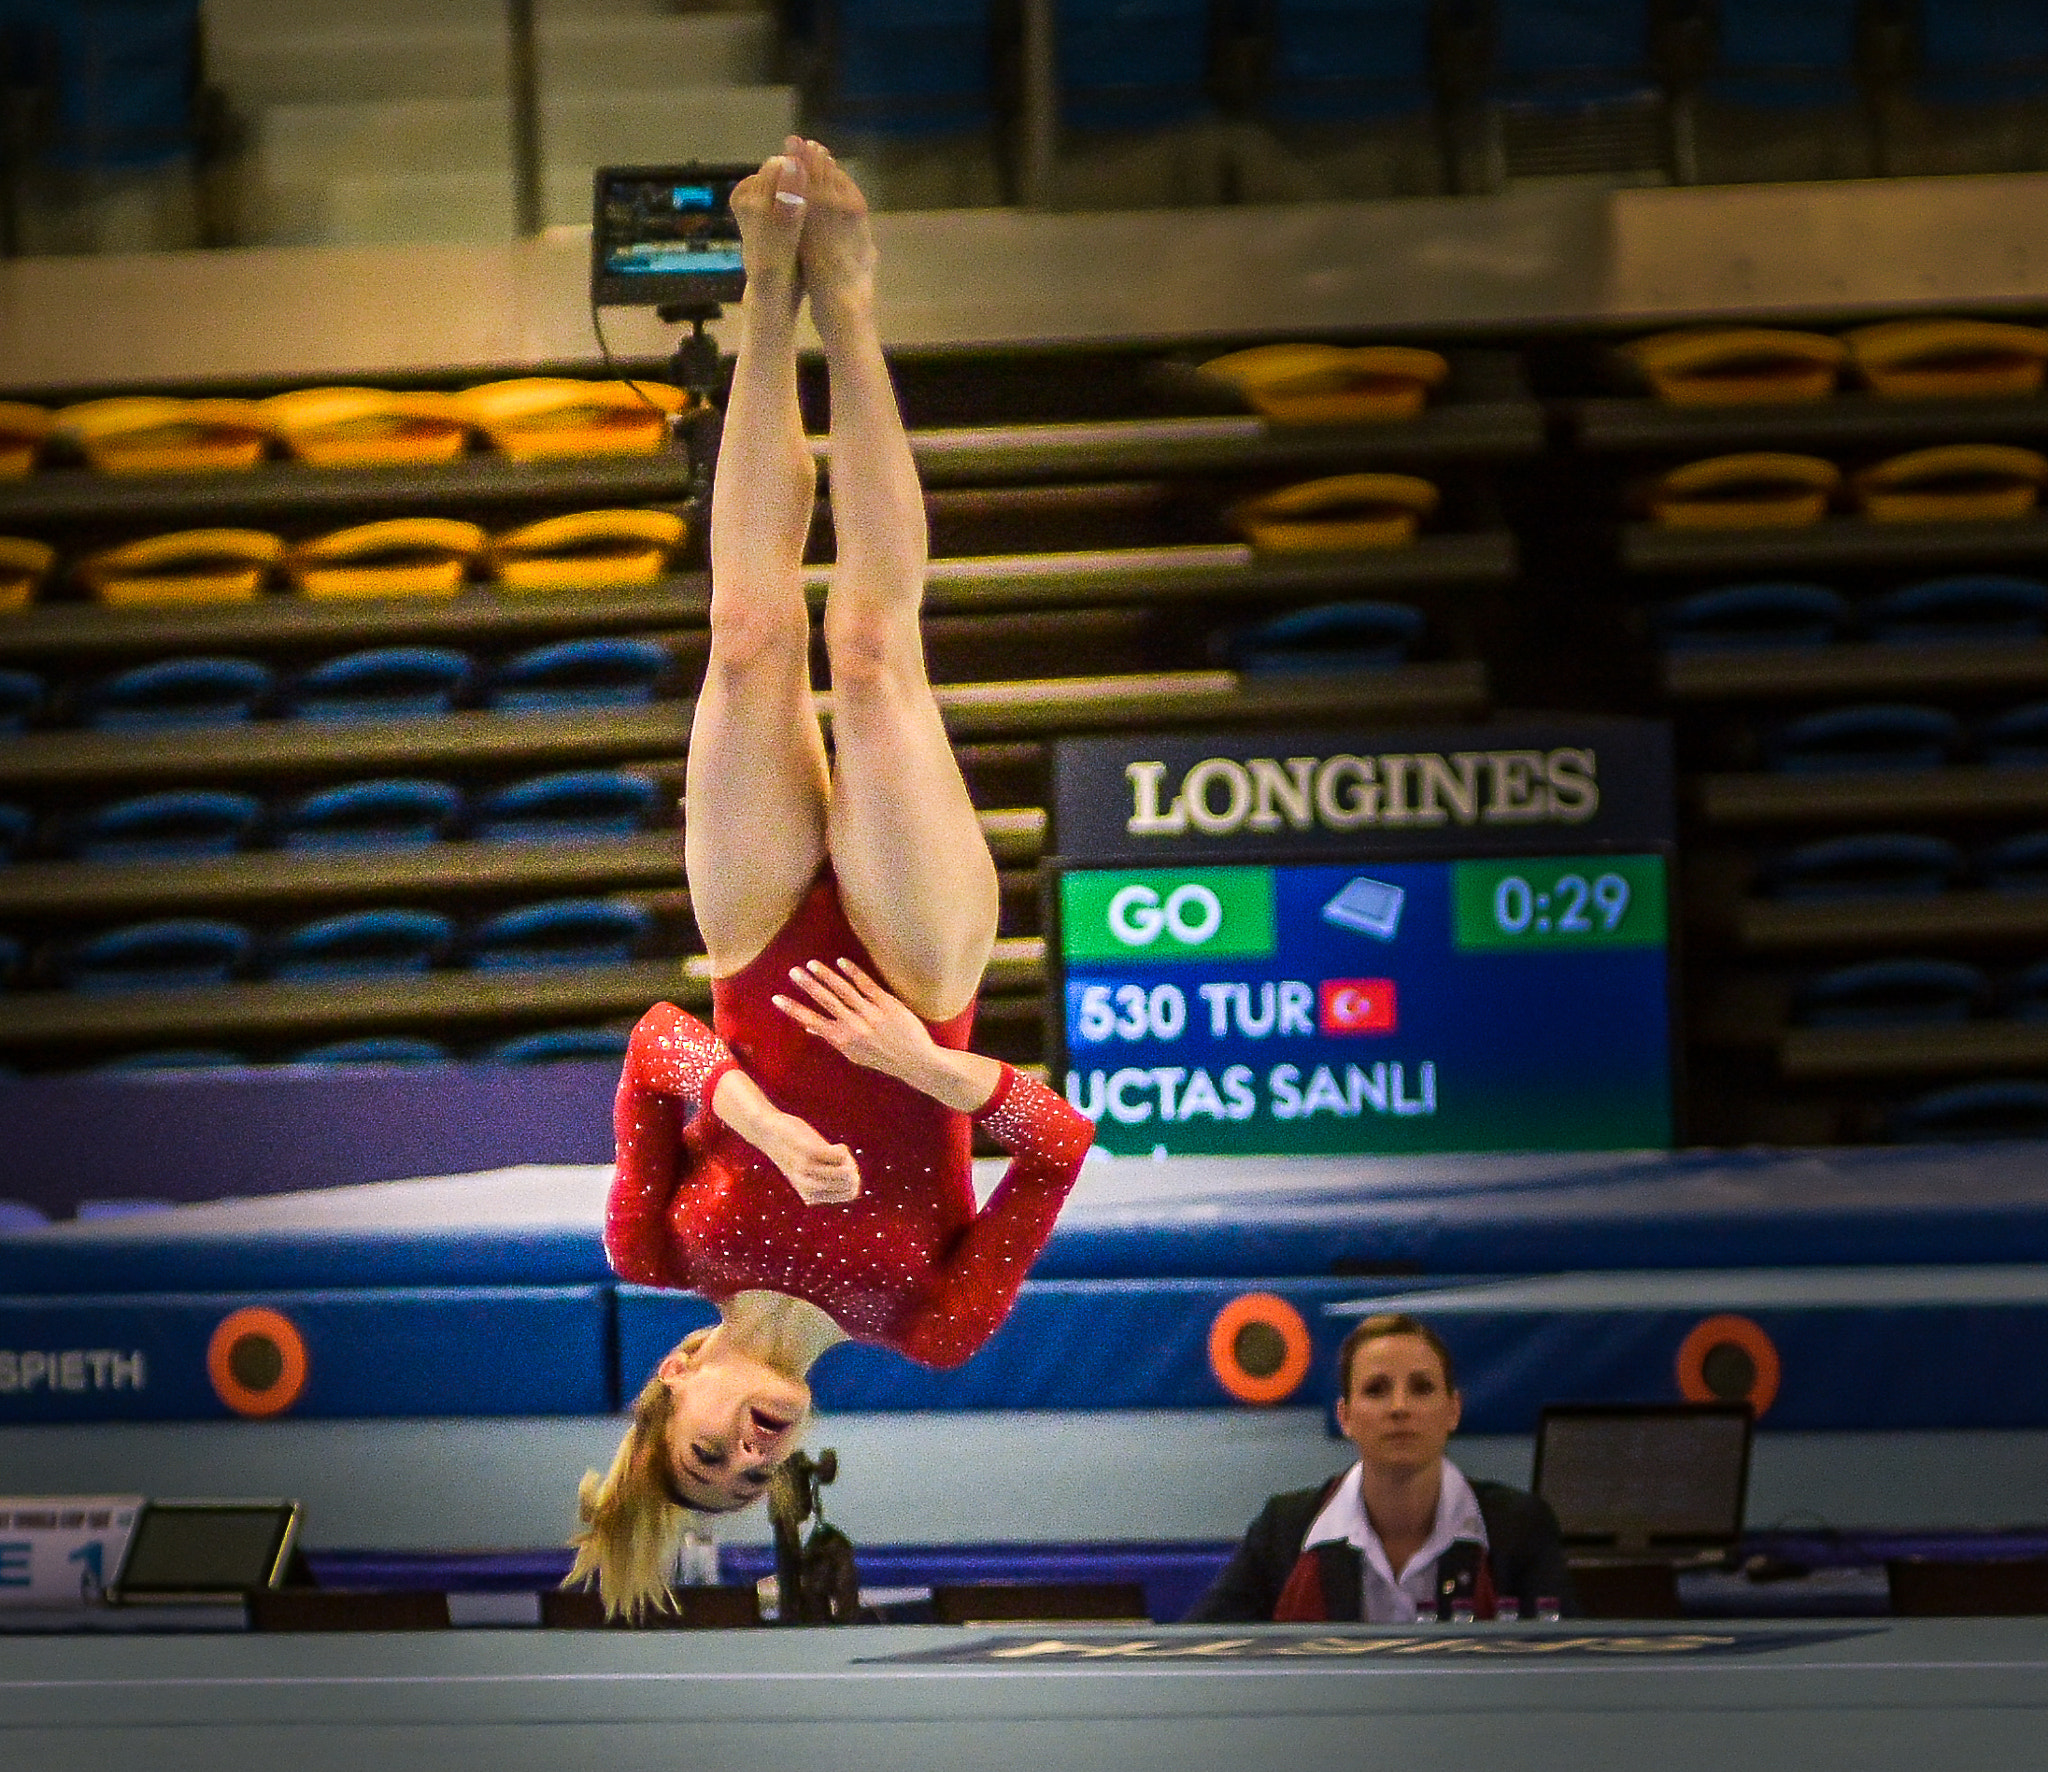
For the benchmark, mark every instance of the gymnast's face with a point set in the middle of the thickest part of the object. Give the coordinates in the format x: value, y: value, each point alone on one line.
x: 735, y: 1420
x: 1400, y: 1413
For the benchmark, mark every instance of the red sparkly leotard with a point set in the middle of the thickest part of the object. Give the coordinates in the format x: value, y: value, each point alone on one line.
x: 909, y: 1263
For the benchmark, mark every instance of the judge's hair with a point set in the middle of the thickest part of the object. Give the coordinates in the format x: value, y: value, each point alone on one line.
x: 633, y: 1516
x: 1377, y: 1329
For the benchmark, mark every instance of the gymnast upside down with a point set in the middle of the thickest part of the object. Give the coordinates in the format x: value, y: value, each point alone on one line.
x: 807, y: 1167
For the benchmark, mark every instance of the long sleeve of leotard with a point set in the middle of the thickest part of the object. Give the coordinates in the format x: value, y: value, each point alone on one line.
x: 673, y: 1058
x: 978, y: 1284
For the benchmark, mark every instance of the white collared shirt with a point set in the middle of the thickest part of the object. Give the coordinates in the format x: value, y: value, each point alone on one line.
x: 1402, y: 1598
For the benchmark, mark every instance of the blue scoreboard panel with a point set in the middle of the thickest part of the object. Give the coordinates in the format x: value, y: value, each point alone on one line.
x: 1366, y: 940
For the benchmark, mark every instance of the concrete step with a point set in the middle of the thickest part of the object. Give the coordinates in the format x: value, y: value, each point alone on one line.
x: 315, y: 144
x: 446, y: 61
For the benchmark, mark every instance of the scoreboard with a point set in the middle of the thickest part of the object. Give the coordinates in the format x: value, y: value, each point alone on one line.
x: 1370, y: 998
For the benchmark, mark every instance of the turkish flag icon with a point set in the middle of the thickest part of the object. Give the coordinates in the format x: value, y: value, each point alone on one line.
x: 1357, y: 1006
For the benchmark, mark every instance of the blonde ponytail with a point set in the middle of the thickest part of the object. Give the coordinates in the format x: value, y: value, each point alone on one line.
x: 632, y: 1527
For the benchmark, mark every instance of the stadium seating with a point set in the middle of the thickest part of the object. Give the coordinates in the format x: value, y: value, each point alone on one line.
x: 183, y: 822
x: 376, y: 1049
x: 901, y: 68
x: 564, y: 932
x: 1869, y: 737
x: 1329, y: 637
x: 579, y: 674
x: 371, y: 814
x: 179, y: 692
x: 1131, y: 64
x: 366, y: 943
x: 168, y: 954
x: 1890, y: 993
x: 575, y: 803
x: 1972, y: 606
x: 1882, y: 864
x: 1770, y: 614
x: 560, y: 1045
x: 1343, y: 61
x: 387, y: 683
x: 122, y: 78
x: 21, y: 699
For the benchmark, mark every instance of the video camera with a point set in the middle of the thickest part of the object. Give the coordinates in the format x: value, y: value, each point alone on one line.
x: 664, y: 237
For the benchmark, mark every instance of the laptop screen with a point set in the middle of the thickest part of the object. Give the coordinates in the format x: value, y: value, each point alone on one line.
x: 1636, y: 1476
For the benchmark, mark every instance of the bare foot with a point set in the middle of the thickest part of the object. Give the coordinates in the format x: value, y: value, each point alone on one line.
x: 837, y: 251
x: 770, y: 207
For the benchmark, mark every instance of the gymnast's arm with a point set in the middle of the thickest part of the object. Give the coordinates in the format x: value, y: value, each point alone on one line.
x: 974, y: 1291
x: 1046, y: 1137
x: 673, y: 1057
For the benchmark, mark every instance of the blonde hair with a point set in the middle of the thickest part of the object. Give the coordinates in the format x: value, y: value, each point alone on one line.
x: 632, y: 1529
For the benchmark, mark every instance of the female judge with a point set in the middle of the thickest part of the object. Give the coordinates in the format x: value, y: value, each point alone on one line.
x: 1402, y: 1534
x: 807, y: 1166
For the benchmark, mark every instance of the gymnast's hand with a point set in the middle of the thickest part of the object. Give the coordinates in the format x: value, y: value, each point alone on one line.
x: 823, y: 1174
x: 865, y: 1024
x: 860, y: 1020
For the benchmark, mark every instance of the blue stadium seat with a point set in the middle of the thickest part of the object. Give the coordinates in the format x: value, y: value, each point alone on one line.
x: 1982, y: 51
x: 580, y: 674
x: 372, y: 815
x: 18, y: 1215
x: 1891, y: 993
x: 574, y: 803
x: 1970, y: 606
x: 17, y: 828
x: 21, y: 699
x: 1879, y: 865
x: 376, y: 1049
x: 2012, y: 1108
x: 1131, y: 64
x: 175, y: 1058
x: 2016, y: 738
x: 386, y: 683
x: 1784, y: 53
x: 1754, y: 615
x: 560, y: 1045
x: 2024, y: 995
x: 183, y: 822
x: 562, y: 932
x: 179, y: 692
x: 1330, y: 637
x: 1874, y: 737
x: 2016, y: 864
x: 168, y: 954
x: 904, y: 68
x: 11, y: 956
x: 1564, y: 55
x: 1342, y: 61
x: 359, y: 944
x: 118, y: 79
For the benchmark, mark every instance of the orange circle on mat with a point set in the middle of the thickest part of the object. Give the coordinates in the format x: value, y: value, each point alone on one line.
x: 276, y: 1337
x: 1735, y: 1332
x: 1268, y: 1318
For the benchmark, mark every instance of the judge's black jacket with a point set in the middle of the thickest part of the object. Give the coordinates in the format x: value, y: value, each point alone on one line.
x: 1524, y: 1553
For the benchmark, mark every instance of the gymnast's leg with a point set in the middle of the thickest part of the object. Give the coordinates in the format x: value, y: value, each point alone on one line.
x: 915, y: 875
x: 755, y: 788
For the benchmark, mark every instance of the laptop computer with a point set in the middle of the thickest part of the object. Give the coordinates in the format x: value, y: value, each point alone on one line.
x: 1635, y: 1480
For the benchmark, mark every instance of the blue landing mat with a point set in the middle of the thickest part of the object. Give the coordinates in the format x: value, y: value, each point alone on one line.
x: 1853, y: 1348
x: 1185, y: 1218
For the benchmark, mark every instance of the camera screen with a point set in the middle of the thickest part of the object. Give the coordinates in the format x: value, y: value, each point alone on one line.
x: 666, y: 234
x: 654, y: 228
